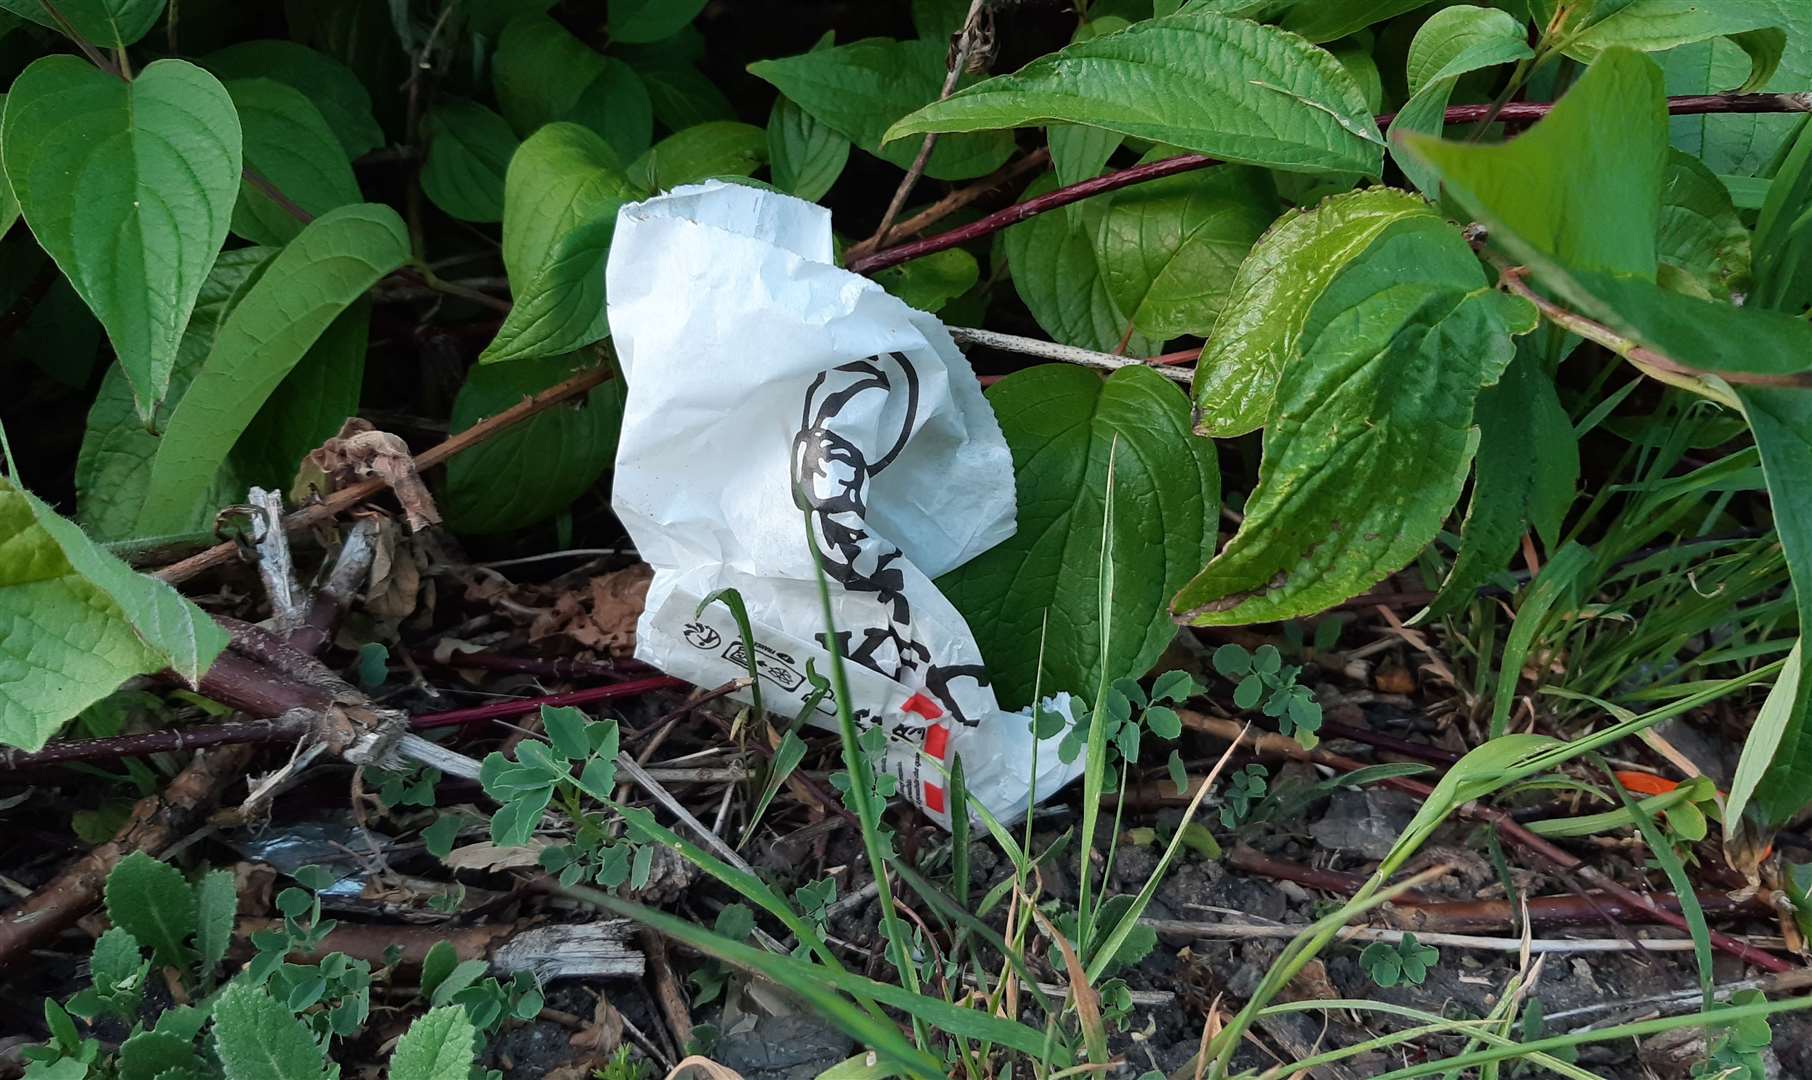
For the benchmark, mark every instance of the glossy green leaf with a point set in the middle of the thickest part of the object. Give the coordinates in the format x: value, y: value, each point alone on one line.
x: 115, y: 461
x: 716, y: 148
x: 109, y: 622
x: 130, y: 188
x: 1455, y: 41
x: 560, y: 204
x: 441, y: 1045
x: 310, y: 406
x: 1371, y: 435
x: 259, y: 1039
x: 1758, y: 27
x: 1056, y: 273
x: 1741, y: 145
x: 805, y: 155
x: 543, y: 74
x: 316, y: 277
x: 1232, y: 89
x: 1169, y: 249
x: 634, y: 21
x: 330, y: 85
x: 680, y: 94
x: 1325, y: 20
x: 9, y: 206
x: 1701, y: 235
x: 287, y: 142
x: 861, y: 88
x: 1583, y: 185
x: 933, y: 281
x: 1261, y: 323
x: 1080, y: 152
x: 111, y: 24
x: 536, y: 469
x: 469, y: 149
x: 153, y: 902
x: 1038, y: 590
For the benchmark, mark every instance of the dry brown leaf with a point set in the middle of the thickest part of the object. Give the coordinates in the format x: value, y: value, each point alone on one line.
x: 703, y: 1066
x: 395, y: 583
x: 602, y: 616
x: 361, y: 452
x: 488, y: 856
x: 599, y: 1038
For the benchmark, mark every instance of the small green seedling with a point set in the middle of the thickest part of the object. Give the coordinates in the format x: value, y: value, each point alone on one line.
x: 1263, y: 681
x: 1244, y: 790
x: 1736, y: 1051
x: 1406, y: 961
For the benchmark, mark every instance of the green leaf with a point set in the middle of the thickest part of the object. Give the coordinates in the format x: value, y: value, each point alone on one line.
x: 1756, y: 26
x: 1056, y: 273
x: 565, y: 729
x: 805, y: 154
x: 636, y: 21
x: 9, y: 206
x: 1527, y: 471
x: 861, y: 88
x: 1701, y: 236
x: 464, y: 974
x: 147, y: 1055
x: 323, y: 270
x: 115, y: 960
x: 330, y: 85
x: 130, y: 188
x: 1260, y: 328
x: 1742, y: 145
x: 1783, y: 233
x: 287, y: 142
x: 1583, y: 185
x: 310, y: 406
x: 109, y: 622
x: 716, y: 148
x: 216, y: 905
x: 1169, y: 249
x: 1557, y: 581
x: 258, y: 1039
x: 1455, y: 41
x: 1326, y: 20
x: 560, y: 204
x: 153, y: 902
x: 115, y: 460
x: 439, y: 1046
x: 931, y: 282
x: 543, y: 75
x: 469, y: 149
x: 1080, y: 152
x: 1061, y: 424
x: 111, y: 24
x: 1395, y: 353
x: 680, y: 94
x: 1224, y: 87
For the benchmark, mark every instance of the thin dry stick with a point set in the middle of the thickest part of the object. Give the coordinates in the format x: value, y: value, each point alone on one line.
x: 346, y: 498
x: 965, y: 44
x: 1051, y: 350
x: 1696, y: 105
x: 956, y: 200
x: 1244, y: 931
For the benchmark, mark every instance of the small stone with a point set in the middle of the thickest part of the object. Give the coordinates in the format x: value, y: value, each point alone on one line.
x: 1363, y: 822
x: 784, y: 1048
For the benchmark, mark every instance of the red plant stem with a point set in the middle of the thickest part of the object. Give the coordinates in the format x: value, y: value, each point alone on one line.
x: 1419, y: 751
x: 231, y: 732
x: 1694, y: 105
x: 504, y: 709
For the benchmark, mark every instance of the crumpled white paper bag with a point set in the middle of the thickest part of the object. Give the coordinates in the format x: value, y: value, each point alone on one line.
x: 771, y: 392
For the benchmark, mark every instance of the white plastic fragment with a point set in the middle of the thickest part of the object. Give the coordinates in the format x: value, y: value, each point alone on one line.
x: 771, y: 392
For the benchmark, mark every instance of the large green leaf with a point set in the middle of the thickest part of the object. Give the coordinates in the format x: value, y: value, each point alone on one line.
x: 130, y: 188
x: 1325, y: 20
x: 1455, y: 41
x: 332, y: 87
x: 1039, y: 589
x: 861, y: 88
x: 260, y: 1039
x: 714, y: 148
x: 111, y: 24
x: 1702, y: 238
x: 933, y: 281
x: 1052, y: 257
x: 680, y: 94
x: 1742, y: 145
x: 153, y: 902
x: 469, y: 150
x: 1169, y: 249
x: 536, y: 469
x: 1758, y: 27
x: 115, y: 461
x: 543, y: 74
x: 317, y: 276
x: 805, y: 154
x: 439, y: 1046
x: 560, y: 203
x: 1226, y: 87
x: 287, y: 142
x: 310, y: 405
x: 85, y: 622
x: 1371, y: 435
x: 1259, y: 327
x: 9, y: 206
x: 636, y: 21
x: 1583, y: 185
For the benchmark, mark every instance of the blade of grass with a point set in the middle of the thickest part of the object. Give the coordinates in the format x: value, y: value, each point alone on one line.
x: 1095, y: 764
x: 732, y: 599
x: 1549, y: 587
x: 1082, y: 992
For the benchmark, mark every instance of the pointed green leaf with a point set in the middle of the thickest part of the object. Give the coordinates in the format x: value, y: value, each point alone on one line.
x: 216, y: 906
x: 933, y: 281
x: 469, y: 149
x: 111, y: 24
x: 860, y: 88
x: 1260, y: 327
x: 543, y: 74
x: 311, y: 404
x: 97, y: 622
x: 258, y: 1039
x: 1395, y: 353
x: 1228, y: 88
x: 130, y: 188
x: 1783, y: 233
x: 1739, y: 145
x: 1325, y: 20
x: 1557, y: 581
x: 152, y: 901
x: 1038, y: 590
x: 805, y: 154
x: 681, y: 95
x: 288, y: 143
x: 1702, y: 238
x: 637, y: 21
x: 715, y: 148
x: 323, y: 270
x: 1758, y: 27
x: 9, y: 206
x: 327, y: 83
x: 1455, y: 41
x: 1056, y: 273
x: 439, y: 1046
